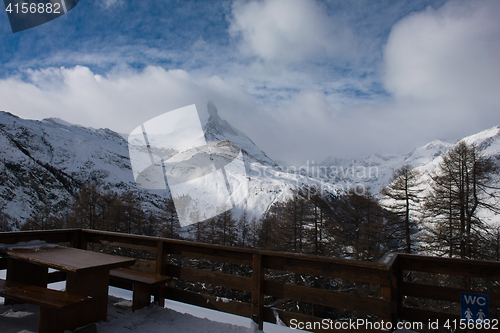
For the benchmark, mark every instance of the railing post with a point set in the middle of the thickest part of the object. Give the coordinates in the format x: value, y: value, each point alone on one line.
x: 159, y: 257
x: 392, y: 291
x: 79, y: 239
x: 75, y: 238
x: 160, y: 269
x: 258, y: 291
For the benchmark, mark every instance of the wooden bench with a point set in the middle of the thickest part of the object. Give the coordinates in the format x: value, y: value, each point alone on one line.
x: 143, y: 285
x: 52, y: 303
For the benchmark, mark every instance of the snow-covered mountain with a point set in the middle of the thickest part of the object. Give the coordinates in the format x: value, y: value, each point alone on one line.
x: 488, y: 143
x: 376, y: 170
x: 43, y: 163
x: 217, y: 129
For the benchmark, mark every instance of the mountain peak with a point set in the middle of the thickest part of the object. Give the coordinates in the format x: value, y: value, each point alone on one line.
x: 217, y: 129
x: 212, y: 110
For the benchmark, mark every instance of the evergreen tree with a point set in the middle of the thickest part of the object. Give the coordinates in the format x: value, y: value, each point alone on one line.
x: 169, y: 225
x: 43, y: 219
x: 87, y: 207
x: 461, y: 185
x: 401, y: 197
x: 4, y: 223
x: 358, y: 224
x: 243, y: 225
x: 225, y: 229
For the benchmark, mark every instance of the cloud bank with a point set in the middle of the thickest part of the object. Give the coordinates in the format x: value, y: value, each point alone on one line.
x: 440, y: 72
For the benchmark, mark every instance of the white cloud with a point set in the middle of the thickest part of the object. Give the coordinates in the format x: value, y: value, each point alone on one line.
x: 442, y: 72
x: 447, y: 56
x: 120, y: 100
x: 289, y: 30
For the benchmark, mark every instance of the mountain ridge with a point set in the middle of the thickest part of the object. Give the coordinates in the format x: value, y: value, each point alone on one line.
x: 44, y: 162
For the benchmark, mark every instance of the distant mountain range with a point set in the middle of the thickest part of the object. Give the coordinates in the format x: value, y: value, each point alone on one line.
x: 43, y: 163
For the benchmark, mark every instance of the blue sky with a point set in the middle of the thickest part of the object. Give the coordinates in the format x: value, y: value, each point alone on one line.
x: 304, y: 79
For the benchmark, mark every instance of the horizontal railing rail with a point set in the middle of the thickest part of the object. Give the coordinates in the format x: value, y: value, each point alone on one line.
x: 454, y: 277
x: 49, y: 236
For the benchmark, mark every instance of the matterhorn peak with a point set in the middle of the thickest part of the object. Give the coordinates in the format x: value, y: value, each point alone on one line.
x: 217, y: 129
x: 212, y: 109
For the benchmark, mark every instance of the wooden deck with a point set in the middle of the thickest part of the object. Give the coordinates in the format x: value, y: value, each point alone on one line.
x: 388, y: 280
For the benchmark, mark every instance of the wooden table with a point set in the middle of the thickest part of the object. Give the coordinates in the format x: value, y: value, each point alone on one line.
x: 87, y: 274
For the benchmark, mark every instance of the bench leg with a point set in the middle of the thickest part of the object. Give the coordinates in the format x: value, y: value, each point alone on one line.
x: 141, y: 296
x: 159, y: 295
x: 50, y: 320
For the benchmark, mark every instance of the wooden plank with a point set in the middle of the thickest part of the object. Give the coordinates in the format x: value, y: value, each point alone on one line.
x: 258, y: 291
x: 94, y: 284
x: 444, y: 293
x: 159, y: 257
x: 146, y: 266
x: 69, y: 259
x: 139, y: 277
x: 349, y: 262
x: 141, y: 296
x: 50, y: 236
x: 454, y: 266
x: 389, y: 259
x: 334, y: 299
x: 44, y: 297
x: 128, y: 245
x: 203, y: 251
x: 50, y: 320
x: 5, y: 284
x: 163, y: 260
x: 214, y: 278
x: 26, y: 272
x: 97, y: 236
x: 122, y: 284
x: 392, y: 292
x: 209, y: 302
x: 76, y: 239
x: 378, y: 274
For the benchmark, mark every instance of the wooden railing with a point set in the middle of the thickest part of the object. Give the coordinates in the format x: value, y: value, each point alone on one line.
x: 454, y: 276
x: 391, y: 281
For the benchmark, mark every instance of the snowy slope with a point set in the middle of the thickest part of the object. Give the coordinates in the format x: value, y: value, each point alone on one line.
x: 43, y: 163
x: 488, y: 142
x: 429, y: 157
x: 376, y: 170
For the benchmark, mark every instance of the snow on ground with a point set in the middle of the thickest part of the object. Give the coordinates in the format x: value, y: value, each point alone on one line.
x: 201, y: 316
x: 177, y: 317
